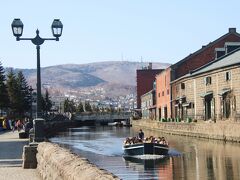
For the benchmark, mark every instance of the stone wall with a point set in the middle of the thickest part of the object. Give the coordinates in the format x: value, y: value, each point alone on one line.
x: 57, y: 163
x: 225, y: 130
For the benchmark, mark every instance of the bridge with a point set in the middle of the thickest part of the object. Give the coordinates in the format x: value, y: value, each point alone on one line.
x: 103, y: 118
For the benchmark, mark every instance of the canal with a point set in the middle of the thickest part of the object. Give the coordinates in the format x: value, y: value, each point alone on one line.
x: 189, y: 158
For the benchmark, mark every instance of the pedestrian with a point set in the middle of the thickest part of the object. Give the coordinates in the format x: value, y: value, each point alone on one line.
x: 9, y: 123
x: 4, y: 124
x: 13, y: 125
x: 19, y: 124
x: 141, y: 134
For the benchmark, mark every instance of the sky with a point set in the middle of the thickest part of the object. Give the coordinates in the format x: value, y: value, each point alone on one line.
x: 113, y: 30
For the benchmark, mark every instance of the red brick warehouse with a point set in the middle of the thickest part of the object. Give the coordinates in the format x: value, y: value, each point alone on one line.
x: 145, y: 80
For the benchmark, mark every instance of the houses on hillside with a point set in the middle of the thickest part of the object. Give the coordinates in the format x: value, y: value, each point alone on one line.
x: 204, y: 85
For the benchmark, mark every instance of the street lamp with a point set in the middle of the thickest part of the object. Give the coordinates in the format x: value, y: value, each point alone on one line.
x: 17, y: 29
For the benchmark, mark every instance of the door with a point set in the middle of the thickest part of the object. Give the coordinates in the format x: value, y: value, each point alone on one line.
x: 208, y: 108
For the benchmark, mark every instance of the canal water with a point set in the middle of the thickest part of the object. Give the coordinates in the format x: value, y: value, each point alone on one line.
x: 188, y: 159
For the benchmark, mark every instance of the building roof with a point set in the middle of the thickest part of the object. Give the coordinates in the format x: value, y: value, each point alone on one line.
x: 230, y: 59
x: 148, y: 93
x: 231, y: 31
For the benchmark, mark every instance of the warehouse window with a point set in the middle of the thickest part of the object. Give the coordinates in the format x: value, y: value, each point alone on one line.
x: 208, y: 80
x: 228, y: 76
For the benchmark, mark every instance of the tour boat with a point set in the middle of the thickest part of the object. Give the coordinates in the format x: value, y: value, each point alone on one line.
x: 145, y: 148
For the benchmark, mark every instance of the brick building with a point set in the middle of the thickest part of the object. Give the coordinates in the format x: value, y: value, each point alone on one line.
x: 194, y: 61
x: 204, y: 55
x: 210, y: 92
x: 145, y: 81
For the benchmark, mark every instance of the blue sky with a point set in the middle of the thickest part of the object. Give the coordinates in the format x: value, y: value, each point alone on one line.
x: 104, y: 30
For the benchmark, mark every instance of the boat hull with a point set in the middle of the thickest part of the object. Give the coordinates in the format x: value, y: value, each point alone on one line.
x: 145, y: 148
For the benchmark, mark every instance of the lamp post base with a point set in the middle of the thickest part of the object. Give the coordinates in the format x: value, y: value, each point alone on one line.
x: 39, y: 130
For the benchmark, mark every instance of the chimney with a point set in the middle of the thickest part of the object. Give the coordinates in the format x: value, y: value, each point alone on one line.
x: 232, y: 30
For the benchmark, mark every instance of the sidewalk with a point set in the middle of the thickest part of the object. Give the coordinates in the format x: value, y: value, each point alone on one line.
x: 11, y: 148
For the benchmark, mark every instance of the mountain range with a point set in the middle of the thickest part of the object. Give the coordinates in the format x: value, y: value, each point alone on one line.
x: 114, y: 77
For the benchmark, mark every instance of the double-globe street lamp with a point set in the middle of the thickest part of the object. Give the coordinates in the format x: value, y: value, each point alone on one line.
x: 17, y: 29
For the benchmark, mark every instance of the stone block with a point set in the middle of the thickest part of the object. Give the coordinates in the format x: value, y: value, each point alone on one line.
x: 23, y: 135
x: 29, y: 157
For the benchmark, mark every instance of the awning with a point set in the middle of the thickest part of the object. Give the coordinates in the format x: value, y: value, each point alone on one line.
x: 152, y: 107
x: 206, y: 94
x: 224, y: 91
x: 185, y: 104
x: 181, y: 97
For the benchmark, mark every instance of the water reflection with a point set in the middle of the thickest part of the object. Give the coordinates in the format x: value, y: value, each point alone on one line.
x: 189, y: 158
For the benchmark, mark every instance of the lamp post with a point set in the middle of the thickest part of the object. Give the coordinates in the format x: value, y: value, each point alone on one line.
x: 31, y: 90
x: 17, y: 29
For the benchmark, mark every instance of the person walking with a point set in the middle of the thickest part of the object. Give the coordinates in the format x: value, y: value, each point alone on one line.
x: 4, y: 124
x: 19, y: 124
x: 13, y: 125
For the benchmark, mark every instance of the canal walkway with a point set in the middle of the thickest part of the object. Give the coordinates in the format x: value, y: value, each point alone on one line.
x: 221, y: 130
x: 11, y: 148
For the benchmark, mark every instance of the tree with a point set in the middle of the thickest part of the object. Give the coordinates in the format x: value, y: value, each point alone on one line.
x: 24, y: 94
x: 80, y: 107
x: 19, y: 93
x: 12, y: 91
x: 4, y: 99
x: 46, y: 102
x: 69, y: 106
x: 88, y: 107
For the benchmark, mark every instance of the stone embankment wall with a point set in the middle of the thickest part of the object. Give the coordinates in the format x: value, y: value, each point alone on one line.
x: 53, y: 127
x: 224, y: 130
x: 57, y: 163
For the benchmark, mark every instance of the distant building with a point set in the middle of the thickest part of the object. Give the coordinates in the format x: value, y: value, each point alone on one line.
x: 148, y: 105
x: 145, y: 80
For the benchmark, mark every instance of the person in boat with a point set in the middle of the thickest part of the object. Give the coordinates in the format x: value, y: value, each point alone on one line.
x: 141, y: 134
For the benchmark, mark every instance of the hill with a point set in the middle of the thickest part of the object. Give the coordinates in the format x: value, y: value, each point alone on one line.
x: 112, y: 78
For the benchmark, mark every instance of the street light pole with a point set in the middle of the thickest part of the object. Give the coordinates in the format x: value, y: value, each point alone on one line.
x: 31, y: 94
x: 39, y: 94
x: 17, y: 28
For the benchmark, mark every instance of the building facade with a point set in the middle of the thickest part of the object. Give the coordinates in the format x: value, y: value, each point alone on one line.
x: 148, y: 105
x: 190, y: 63
x: 211, y: 92
x: 163, y: 94
x: 145, y: 80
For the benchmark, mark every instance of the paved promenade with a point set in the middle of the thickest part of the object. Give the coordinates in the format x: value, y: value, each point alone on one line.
x: 11, y: 148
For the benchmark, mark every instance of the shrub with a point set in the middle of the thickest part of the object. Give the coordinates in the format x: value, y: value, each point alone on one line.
x: 178, y: 119
x: 189, y: 119
x: 163, y: 120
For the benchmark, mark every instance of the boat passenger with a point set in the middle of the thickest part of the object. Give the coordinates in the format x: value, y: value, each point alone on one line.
x: 141, y: 134
x: 127, y: 141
